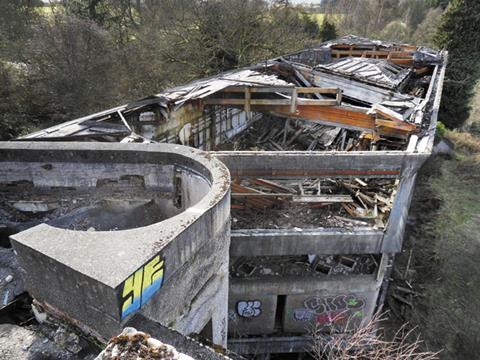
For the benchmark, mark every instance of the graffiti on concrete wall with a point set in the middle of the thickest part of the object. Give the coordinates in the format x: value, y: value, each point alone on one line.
x: 327, y: 310
x: 232, y: 315
x: 249, y: 308
x: 141, y: 286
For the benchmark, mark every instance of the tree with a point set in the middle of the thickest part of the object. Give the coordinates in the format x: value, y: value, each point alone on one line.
x: 13, y: 118
x: 425, y: 31
x: 396, y: 31
x: 206, y: 37
x: 458, y: 32
x: 85, y: 55
x: 70, y: 68
x: 310, y: 26
x: 328, y: 30
x: 16, y: 19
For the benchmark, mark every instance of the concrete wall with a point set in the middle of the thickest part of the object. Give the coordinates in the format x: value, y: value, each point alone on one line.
x: 101, y: 278
x: 296, y: 304
x: 325, y: 241
x: 193, y: 126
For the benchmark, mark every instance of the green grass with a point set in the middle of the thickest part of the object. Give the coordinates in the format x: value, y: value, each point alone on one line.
x: 445, y: 241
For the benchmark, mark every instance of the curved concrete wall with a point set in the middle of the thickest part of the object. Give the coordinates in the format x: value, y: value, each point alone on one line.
x: 100, y: 278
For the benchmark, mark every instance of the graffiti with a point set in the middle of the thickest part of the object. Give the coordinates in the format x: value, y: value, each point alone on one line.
x: 327, y: 310
x: 250, y: 308
x: 232, y: 315
x: 303, y: 314
x: 141, y: 286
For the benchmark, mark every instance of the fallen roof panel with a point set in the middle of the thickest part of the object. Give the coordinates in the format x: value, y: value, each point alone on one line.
x: 373, y: 71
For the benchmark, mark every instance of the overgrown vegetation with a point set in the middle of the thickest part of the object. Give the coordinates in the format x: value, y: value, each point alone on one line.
x: 459, y: 32
x: 408, y: 20
x: 65, y: 59
x: 62, y: 60
x: 443, y: 238
x: 368, y: 342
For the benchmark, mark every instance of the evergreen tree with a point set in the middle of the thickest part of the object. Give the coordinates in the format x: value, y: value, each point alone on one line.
x: 459, y: 33
x: 310, y: 26
x: 328, y: 30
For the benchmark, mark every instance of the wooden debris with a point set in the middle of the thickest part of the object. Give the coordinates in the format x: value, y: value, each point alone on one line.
x: 356, y: 202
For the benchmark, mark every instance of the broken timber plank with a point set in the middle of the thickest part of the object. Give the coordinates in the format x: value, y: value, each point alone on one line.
x: 298, y: 198
x: 273, y: 185
x: 322, y: 199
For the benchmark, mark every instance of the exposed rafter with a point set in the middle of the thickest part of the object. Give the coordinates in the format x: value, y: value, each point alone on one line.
x: 327, y: 111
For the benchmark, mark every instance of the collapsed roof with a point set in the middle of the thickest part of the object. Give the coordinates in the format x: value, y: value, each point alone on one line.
x: 381, y: 89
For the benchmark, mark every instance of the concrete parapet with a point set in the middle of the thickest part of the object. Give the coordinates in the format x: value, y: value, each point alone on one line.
x: 100, y: 278
x: 271, y: 242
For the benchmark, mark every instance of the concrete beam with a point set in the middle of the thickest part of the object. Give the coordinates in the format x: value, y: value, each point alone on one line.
x: 299, y: 285
x: 338, y: 164
x: 272, y: 242
x: 393, y: 239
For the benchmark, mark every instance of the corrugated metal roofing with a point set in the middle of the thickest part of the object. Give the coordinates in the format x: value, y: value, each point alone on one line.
x: 377, y: 72
x: 205, y: 87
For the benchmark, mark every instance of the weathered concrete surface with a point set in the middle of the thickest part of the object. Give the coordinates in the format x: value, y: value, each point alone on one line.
x: 251, y: 314
x: 197, y: 293
x: 299, y: 285
x: 393, y: 239
x: 320, y: 163
x: 342, y: 310
x: 268, y: 345
x: 101, y: 277
x: 271, y: 242
x: 309, y: 301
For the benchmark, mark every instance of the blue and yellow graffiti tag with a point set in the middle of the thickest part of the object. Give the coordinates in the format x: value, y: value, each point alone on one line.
x: 141, y: 286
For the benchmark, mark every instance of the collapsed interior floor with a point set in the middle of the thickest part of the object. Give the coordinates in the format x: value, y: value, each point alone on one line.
x: 304, y: 265
x: 272, y: 133
x: 311, y: 202
x: 107, y: 208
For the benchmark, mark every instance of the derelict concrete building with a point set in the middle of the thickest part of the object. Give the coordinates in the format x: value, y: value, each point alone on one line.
x: 322, y: 147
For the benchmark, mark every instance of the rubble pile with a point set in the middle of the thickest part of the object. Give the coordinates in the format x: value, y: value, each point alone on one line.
x: 23, y: 206
x: 22, y: 343
x: 136, y: 345
x: 271, y: 133
x: 11, y: 282
x: 260, y: 203
x: 312, y: 265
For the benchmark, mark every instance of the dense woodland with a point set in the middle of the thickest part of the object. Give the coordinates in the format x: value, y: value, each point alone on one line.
x: 68, y: 58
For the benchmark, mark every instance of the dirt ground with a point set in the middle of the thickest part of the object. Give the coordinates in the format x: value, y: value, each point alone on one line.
x: 441, y: 281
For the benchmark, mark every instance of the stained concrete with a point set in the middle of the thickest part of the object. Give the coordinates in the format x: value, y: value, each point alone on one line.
x: 85, y: 274
x: 309, y: 302
x: 251, y: 314
x: 276, y: 242
x: 326, y: 309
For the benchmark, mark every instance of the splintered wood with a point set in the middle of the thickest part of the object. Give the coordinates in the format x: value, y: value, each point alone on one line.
x: 314, y: 202
x: 277, y: 134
